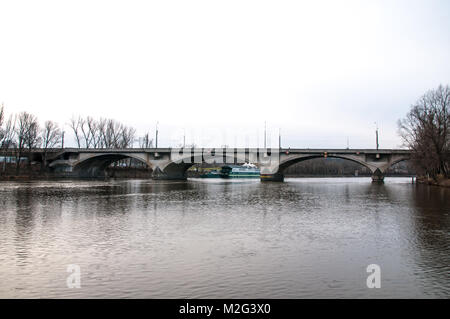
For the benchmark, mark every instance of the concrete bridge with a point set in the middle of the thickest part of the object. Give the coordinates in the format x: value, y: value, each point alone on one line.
x: 172, y: 163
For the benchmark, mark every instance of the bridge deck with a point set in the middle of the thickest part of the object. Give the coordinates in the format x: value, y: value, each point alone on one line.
x: 228, y: 150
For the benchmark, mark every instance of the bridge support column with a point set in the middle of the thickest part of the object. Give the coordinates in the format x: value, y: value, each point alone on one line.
x: 158, y: 174
x: 276, y: 177
x: 378, y: 176
x: 93, y: 172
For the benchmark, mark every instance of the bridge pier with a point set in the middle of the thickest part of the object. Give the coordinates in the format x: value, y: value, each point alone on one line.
x: 277, y: 177
x: 178, y: 175
x: 377, y: 176
x: 90, y: 172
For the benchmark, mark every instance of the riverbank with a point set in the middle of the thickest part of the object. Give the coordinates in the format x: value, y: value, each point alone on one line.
x: 440, y: 181
x: 34, y: 173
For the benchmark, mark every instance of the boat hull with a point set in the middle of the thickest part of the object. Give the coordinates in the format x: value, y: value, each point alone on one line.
x: 241, y: 176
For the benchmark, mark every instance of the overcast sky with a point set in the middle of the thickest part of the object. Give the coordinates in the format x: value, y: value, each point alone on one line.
x: 322, y: 71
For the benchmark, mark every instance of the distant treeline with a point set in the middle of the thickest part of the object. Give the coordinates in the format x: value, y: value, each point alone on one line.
x: 21, y: 133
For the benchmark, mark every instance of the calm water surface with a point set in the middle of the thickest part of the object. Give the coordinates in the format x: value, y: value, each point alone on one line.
x: 224, y: 239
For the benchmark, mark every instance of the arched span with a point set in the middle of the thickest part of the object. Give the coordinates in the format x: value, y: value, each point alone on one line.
x: 398, y: 160
x: 177, y: 169
x: 291, y: 161
x: 95, y: 165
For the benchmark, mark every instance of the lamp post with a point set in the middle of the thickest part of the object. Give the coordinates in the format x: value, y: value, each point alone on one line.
x: 265, y: 134
x: 376, y: 135
x: 156, y: 135
x: 62, y: 135
x: 279, y: 138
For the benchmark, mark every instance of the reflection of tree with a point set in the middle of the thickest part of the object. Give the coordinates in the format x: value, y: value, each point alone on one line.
x: 431, y: 229
x: 378, y: 191
x: 432, y: 206
x: 24, y: 221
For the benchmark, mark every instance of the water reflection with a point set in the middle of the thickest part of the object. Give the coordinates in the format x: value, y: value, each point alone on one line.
x: 212, y: 238
x: 432, y: 242
x: 24, y: 224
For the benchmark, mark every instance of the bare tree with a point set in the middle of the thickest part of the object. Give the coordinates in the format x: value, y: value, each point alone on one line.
x: 126, y: 138
x: 21, y: 129
x: 27, y: 132
x: 87, y: 127
x: 102, y: 133
x: 92, y: 128
x: 51, y: 137
x: 32, y: 138
x: 75, y: 125
x: 6, y: 134
x: 425, y: 130
x: 146, y: 141
x: 8, y: 138
x: 2, y: 117
x: 9, y: 132
x: 112, y: 134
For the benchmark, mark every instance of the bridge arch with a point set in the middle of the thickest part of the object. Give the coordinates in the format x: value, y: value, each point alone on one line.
x: 177, y: 169
x: 395, y: 160
x: 398, y: 160
x: 297, y: 159
x: 95, y: 165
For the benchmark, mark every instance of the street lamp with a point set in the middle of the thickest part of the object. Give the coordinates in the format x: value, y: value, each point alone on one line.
x: 376, y: 135
x: 156, y: 135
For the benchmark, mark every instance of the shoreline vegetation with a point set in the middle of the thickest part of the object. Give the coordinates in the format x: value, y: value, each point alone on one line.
x: 441, y: 181
x: 36, y: 173
x: 426, y: 132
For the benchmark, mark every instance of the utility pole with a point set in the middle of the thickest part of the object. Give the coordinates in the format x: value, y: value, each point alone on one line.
x: 279, y: 138
x: 265, y: 135
x: 156, y: 135
x: 376, y: 135
x: 62, y: 139
x: 184, y: 138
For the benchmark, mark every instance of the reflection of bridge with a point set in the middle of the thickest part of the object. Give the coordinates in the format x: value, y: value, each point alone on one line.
x: 168, y: 163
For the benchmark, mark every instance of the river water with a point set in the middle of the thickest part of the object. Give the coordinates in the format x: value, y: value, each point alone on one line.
x: 305, y: 238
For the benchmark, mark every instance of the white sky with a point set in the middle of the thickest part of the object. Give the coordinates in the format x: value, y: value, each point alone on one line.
x: 321, y: 70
